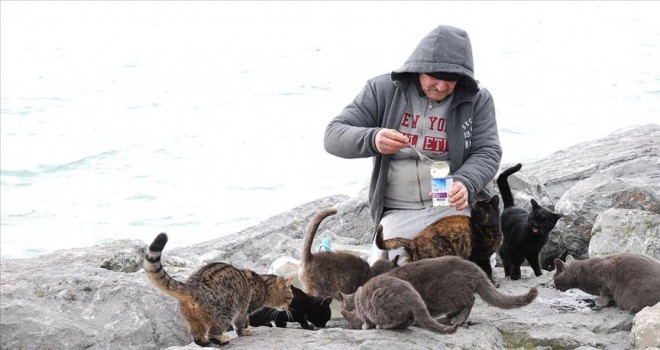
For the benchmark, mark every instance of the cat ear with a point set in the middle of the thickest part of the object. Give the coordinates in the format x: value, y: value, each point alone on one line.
x: 569, y: 257
x: 559, y: 216
x: 534, y: 203
x: 340, y: 296
x: 559, y: 265
x: 289, y: 280
x: 326, y: 301
x: 495, y: 201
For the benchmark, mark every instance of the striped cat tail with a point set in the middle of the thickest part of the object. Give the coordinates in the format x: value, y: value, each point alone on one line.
x: 392, y: 243
x: 306, y: 252
x: 158, y: 276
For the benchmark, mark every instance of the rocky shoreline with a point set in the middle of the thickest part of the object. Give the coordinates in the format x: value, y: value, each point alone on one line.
x: 609, y: 192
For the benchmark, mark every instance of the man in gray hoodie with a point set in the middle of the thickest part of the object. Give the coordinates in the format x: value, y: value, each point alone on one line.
x: 433, y: 102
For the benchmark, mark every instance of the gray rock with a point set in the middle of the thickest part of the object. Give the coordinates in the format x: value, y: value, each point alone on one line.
x: 561, y: 170
x: 621, y: 230
x: 645, y: 331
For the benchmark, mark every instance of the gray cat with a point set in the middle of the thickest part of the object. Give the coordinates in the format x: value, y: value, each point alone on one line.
x: 632, y: 280
x: 325, y: 274
x: 447, y: 285
x: 387, y: 302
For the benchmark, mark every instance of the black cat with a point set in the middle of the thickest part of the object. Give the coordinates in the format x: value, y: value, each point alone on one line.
x: 525, y: 233
x: 303, y: 309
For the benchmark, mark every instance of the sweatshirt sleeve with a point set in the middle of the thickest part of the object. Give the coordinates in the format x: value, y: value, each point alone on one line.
x: 352, y: 133
x: 485, y: 152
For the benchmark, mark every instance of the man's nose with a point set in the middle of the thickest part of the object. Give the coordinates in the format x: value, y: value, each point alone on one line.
x: 442, y: 85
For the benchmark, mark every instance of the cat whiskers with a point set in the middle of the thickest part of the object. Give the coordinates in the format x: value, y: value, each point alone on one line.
x: 289, y: 313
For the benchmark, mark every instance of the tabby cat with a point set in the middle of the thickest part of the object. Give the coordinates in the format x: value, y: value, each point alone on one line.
x: 325, y: 274
x: 304, y: 308
x: 631, y: 280
x: 447, y: 285
x: 387, y: 302
x: 475, y: 237
x: 525, y: 233
x: 217, y: 296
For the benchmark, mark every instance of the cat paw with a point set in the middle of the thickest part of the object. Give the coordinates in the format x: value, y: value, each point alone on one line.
x: 515, y: 277
x: 220, y: 340
x: 244, y: 332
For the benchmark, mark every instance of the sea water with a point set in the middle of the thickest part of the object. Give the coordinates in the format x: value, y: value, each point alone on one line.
x: 120, y: 120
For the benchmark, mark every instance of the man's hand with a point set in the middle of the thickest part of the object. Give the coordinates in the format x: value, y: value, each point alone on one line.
x: 389, y: 141
x: 458, y: 196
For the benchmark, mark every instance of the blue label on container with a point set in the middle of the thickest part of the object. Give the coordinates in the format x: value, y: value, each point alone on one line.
x: 440, y: 190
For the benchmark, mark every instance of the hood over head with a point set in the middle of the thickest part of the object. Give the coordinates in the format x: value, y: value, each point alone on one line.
x: 446, y: 49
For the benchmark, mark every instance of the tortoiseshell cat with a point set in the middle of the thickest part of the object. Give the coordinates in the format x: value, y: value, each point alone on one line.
x: 475, y: 237
x: 632, y: 280
x: 325, y: 274
x: 304, y: 308
x: 448, y: 284
x: 387, y: 302
x: 525, y: 232
x: 218, y: 295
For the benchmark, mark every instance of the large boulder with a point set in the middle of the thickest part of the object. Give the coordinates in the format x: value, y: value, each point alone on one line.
x: 622, y: 230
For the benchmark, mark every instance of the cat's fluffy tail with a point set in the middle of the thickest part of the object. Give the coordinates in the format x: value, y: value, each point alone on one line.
x: 392, y: 243
x: 306, y: 252
x: 157, y: 274
x: 492, y: 296
x: 503, y: 185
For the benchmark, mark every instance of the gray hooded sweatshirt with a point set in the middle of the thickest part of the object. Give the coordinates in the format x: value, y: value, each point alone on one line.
x: 473, y: 141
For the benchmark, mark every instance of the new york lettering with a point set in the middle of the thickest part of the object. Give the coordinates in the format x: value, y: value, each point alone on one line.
x: 409, y: 121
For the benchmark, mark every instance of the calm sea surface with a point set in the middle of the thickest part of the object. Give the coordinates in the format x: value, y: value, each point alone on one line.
x: 126, y: 119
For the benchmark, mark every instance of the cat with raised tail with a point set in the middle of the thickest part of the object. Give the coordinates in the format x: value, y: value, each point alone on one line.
x: 218, y: 296
x: 631, y: 280
x: 524, y: 232
x: 386, y: 302
x: 325, y: 274
x: 475, y: 237
x: 448, y: 285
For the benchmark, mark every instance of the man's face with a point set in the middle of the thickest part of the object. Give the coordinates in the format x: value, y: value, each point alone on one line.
x: 436, y: 89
